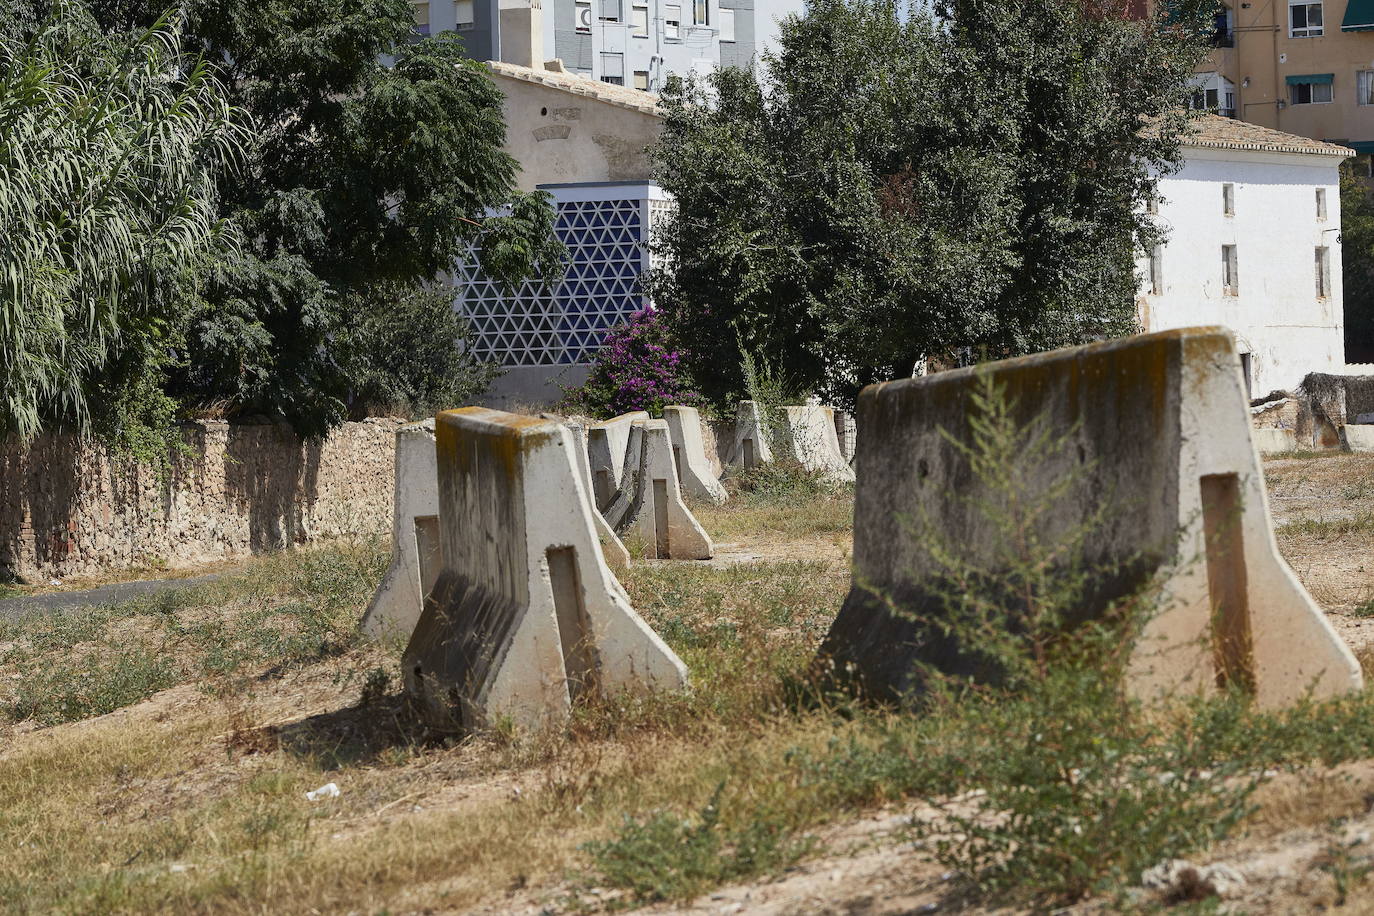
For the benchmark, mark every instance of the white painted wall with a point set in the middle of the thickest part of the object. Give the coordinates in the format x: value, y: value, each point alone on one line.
x: 1276, y: 315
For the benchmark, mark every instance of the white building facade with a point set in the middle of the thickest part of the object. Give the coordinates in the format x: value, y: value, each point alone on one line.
x: 1253, y: 222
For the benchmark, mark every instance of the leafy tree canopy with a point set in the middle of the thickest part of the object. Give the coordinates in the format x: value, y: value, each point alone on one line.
x: 909, y: 184
x: 375, y: 160
x: 109, y: 150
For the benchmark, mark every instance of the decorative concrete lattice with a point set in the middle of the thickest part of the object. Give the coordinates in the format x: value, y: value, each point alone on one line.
x: 607, y: 244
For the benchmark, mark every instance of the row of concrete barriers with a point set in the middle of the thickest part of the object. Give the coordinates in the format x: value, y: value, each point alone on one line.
x: 511, y: 609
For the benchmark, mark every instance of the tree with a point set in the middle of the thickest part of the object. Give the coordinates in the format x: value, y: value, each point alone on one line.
x: 110, y: 147
x: 1357, y: 263
x: 367, y: 179
x: 909, y: 185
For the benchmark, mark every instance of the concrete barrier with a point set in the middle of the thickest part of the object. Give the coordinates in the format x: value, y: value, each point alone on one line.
x: 525, y: 617
x: 846, y: 432
x: 415, y: 557
x: 606, y: 447
x: 1160, y: 421
x: 750, y: 447
x: 1359, y: 437
x: 627, y: 491
x: 1274, y: 440
x: 657, y: 512
x: 814, y: 443
x: 689, y: 455
x: 616, y: 554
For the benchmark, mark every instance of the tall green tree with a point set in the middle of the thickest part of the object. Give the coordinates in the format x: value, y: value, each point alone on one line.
x: 377, y: 162
x: 1357, y: 262
x: 915, y: 183
x: 110, y: 150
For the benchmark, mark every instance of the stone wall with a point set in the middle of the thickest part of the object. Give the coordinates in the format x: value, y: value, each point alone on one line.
x: 72, y: 509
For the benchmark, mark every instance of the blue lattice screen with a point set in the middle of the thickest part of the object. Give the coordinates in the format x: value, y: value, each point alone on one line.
x: 607, y: 251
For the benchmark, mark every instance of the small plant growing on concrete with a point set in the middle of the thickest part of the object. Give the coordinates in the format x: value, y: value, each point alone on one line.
x: 1082, y: 790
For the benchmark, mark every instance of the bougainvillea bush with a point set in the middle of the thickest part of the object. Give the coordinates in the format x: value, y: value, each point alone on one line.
x: 639, y: 367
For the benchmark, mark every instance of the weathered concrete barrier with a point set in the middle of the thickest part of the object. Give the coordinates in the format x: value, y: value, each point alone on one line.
x: 415, y: 557
x: 750, y: 447
x: 525, y: 617
x: 611, y: 547
x: 846, y: 432
x: 689, y: 455
x: 813, y: 442
x: 1159, y: 421
x: 607, y: 443
x: 1359, y: 437
x: 627, y: 491
x: 657, y: 512
x: 1274, y: 440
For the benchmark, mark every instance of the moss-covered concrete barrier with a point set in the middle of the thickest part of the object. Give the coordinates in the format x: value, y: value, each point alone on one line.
x: 1154, y: 426
x: 525, y: 615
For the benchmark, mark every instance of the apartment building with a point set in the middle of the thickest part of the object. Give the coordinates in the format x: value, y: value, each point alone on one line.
x: 1304, y: 67
x: 632, y: 43
x: 1253, y: 220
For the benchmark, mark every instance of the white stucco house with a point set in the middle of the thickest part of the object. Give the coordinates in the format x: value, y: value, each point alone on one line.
x: 1253, y: 220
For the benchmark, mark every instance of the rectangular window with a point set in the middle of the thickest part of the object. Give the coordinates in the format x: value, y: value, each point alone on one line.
x: 1230, y: 274
x: 1323, y: 272
x: 672, y: 22
x: 613, y: 69
x: 642, y: 80
x: 639, y: 21
x: 1228, y: 199
x: 727, y: 24
x: 701, y: 12
x: 463, y: 15
x: 584, y: 16
x: 421, y: 11
x: 1321, y: 203
x: 1157, y: 270
x: 610, y: 10
x: 1304, y: 19
x: 1309, y: 93
x: 1364, y: 87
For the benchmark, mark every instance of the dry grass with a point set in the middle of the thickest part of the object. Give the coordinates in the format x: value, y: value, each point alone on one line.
x: 190, y: 796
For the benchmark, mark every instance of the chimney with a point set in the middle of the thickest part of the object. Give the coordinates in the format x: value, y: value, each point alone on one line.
x: 522, y: 32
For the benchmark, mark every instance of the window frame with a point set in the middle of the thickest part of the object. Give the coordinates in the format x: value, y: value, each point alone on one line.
x: 1230, y: 270
x: 619, y: 58
x: 635, y: 20
x: 1364, y: 95
x: 703, y: 8
x: 463, y: 24
x: 578, y: 7
x: 1323, y: 271
x: 645, y: 74
x: 1321, y: 204
x: 1307, y: 30
x: 1228, y: 199
x: 1293, y: 92
x: 672, y: 28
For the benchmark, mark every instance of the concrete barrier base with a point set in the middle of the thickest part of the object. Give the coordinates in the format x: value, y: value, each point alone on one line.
x: 689, y: 455
x: 415, y: 557
x: 657, y: 513
x: 526, y: 617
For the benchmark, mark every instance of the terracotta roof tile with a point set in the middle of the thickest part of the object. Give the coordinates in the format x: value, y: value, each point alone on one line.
x: 624, y: 97
x: 1215, y: 132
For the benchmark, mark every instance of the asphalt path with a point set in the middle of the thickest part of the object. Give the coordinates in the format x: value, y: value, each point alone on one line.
x: 94, y: 597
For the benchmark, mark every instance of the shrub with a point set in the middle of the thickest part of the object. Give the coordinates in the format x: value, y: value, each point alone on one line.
x: 639, y: 367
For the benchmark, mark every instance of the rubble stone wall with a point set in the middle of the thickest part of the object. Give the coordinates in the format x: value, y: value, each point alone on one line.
x: 70, y: 508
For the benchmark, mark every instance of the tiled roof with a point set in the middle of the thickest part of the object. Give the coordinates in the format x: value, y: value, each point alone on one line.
x: 1215, y: 132
x: 633, y: 99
